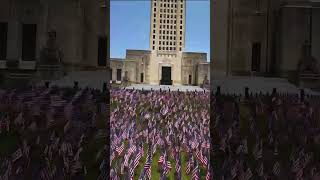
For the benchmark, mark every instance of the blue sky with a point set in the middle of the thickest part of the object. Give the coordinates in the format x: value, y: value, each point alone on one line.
x: 130, y: 26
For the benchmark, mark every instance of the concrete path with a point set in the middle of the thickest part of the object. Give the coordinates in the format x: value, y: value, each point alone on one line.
x: 232, y: 85
x: 165, y: 87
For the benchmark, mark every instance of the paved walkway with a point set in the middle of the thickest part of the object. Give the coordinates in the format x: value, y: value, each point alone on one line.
x: 165, y: 87
x: 92, y: 79
x: 232, y: 85
x: 237, y: 85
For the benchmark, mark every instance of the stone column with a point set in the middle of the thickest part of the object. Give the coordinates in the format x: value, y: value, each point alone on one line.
x: 220, y: 25
x: 43, y: 24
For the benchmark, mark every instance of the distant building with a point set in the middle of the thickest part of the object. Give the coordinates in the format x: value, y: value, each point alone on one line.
x: 165, y: 62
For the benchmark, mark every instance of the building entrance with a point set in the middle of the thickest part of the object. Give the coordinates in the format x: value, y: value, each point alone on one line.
x: 166, y: 76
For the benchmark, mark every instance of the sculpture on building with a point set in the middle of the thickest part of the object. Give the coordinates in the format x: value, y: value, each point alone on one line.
x: 205, y: 80
x: 51, y: 54
x: 307, y: 63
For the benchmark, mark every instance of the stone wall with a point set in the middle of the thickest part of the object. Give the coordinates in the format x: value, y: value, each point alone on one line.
x: 78, y: 25
x: 140, y: 61
x: 203, y: 69
x: 114, y: 65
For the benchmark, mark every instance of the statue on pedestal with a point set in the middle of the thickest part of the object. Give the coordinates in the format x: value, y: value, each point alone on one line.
x: 49, y: 66
x: 205, y: 82
x: 307, y: 63
x: 51, y: 54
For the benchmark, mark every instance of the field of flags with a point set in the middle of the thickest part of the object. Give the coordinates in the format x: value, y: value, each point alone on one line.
x: 266, y: 137
x: 52, y: 133
x: 159, y: 135
x: 59, y: 133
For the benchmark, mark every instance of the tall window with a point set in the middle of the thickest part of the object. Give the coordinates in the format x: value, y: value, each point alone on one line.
x: 141, y: 77
x: 29, y: 36
x: 3, y: 40
x: 118, y: 74
x: 256, y: 56
x: 102, y: 51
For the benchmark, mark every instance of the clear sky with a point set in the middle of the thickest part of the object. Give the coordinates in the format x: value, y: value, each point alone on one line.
x: 130, y: 26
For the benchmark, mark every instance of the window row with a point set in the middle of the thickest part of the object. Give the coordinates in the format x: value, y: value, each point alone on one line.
x: 164, y: 32
x: 169, y: 5
x: 167, y: 37
x: 168, y: 10
x: 168, y: 21
x: 168, y: 26
x: 169, y: 0
x: 167, y: 48
x: 167, y: 43
x: 170, y: 16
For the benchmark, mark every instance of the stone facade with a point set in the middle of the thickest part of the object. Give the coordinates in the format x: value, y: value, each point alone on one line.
x: 138, y: 65
x: 262, y: 37
x: 80, y: 27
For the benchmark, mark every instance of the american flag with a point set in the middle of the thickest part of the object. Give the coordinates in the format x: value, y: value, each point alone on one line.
x: 247, y: 175
x: 127, y: 156
x: 161, y: 159
x: 257, y: 152
x: 167, y: 167
x: 188, y: 168
x: 138, y: 157
x: 260, y: 170
x: 276, y: 169
x: 245, y: 146
x: 234, y: 171
x: 120, y: 149
x: 239, y: 149
x: 295, y: 165
x: 299, y: 174
x: 202, y: 158
x: 147, y: 167
x: 16, y: 155
x: 195, y: 172
x: 44, y: 174
x: 178, y: 165
x: 131, y: 171
x: 209, y: 175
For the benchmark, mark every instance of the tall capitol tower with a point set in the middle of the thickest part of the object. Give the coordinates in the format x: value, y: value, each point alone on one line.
x: 167, y: 35
x: 166, y: 62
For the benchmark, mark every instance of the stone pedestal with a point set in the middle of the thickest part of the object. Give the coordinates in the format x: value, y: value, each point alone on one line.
x: 308, y: 68
x: 49, y: 72
x: 310, y: 81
